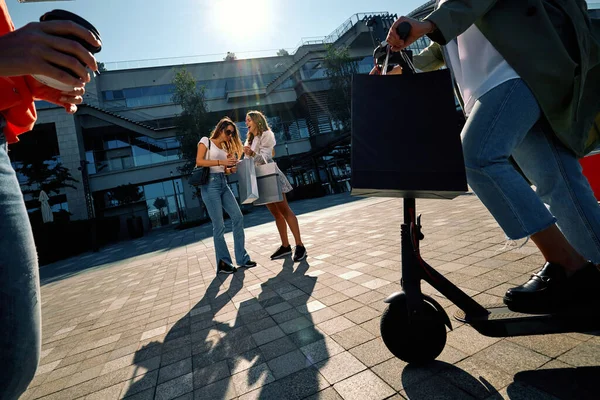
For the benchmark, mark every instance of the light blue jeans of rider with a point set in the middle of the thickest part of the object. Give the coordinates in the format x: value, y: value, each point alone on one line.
x: 506, y: 122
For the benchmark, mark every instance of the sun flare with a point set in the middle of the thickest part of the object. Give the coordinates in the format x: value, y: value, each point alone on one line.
x: 243, y: 19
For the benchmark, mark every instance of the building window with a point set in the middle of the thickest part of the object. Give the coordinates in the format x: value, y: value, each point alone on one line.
x: 115, y: 152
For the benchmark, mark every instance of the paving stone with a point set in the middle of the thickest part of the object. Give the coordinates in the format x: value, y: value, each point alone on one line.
x: 140, y: 383
x: 252, y: 378
x: 110, y: 393
x: 364, y: 386
x: 335, y: 325
x: 98, y: 333
x: 372, y: 353
x: 288, y: 364
x: 222, y: 390
x: 477, y: 378
x: 363, y: 314
x: 584, y: 355
x: 295, y: 325
x: 321, y: 350
x: 327, y: 394
x: 175, y: 388
x: 306, y: 336
x: 511, y: 357
x: 296, y: 386
x: 246, y: 360
x: 175, y: 370
x: 352, y: 337
x: 268, y: 335
x: 339, y: 367
x: 346, y: 306
x: 548, y: 345
x: 212, y: 373
x: 277, y: 347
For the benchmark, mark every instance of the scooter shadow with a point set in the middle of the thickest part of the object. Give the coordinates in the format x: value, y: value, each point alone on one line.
x: 440, y: 380
x: 579, y: 383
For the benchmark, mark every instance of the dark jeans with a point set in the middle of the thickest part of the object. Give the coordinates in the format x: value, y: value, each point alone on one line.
x: 20, y: 314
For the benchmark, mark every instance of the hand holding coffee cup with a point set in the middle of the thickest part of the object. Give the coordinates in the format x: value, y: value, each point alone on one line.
x: 73, y: 41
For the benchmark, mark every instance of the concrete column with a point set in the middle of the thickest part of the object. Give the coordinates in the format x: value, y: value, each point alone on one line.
x: 71, y: 149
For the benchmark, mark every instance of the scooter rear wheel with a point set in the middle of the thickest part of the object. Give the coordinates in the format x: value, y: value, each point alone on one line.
x: 417, y: 339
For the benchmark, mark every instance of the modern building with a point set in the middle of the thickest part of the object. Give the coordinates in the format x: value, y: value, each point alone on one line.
x: 124, y: 132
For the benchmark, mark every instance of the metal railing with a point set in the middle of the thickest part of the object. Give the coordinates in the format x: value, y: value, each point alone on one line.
x: 133, y: 115
x: 197, y: 59
x: 241, y: 55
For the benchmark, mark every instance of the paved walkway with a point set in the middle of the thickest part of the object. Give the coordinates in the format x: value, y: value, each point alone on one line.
x: 148, y: 319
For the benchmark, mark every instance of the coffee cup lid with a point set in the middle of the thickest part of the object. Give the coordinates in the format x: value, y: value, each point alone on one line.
x: 56, y: 15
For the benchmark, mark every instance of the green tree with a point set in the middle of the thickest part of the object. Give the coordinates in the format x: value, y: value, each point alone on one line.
x: 47, y: 175
x: 126, y: 194
x: 160, y: 203
x: 283, y: 52
x: 230, y: 56
x: 339, y: 68
x: 194, y: 121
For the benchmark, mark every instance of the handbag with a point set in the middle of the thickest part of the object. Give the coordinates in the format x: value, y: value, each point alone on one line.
x: 267, y: 179
x: 248, y: 187
x: 200, y: 175
x: 406, y: 136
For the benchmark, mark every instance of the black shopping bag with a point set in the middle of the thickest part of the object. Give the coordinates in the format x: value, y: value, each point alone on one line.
x: 406, y: 137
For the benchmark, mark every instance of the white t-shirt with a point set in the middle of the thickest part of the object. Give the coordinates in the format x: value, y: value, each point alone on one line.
x: 477, y: 66
x: 264, y: 144
x: 215, y: 154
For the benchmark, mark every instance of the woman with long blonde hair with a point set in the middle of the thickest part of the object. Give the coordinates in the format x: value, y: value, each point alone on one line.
x: 221, y: 153
x: 260, y: 142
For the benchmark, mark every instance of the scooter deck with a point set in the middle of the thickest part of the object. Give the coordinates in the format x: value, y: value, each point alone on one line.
x: 502, y: 322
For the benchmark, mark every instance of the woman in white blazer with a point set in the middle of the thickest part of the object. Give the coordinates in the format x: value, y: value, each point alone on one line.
x: 260, y: 142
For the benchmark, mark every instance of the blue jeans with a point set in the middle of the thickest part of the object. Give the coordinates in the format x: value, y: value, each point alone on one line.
x: 20, y: 321
x: 217, y: 196
x: 506, y: 122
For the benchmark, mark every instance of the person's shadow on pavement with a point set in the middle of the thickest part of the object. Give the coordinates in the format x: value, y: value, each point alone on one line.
x: 284, y: 366
x: 190, y: 343
x: 223, y: 349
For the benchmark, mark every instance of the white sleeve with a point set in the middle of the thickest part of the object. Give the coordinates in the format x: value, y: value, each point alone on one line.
x: 204, y: 141
x: 267, y: 143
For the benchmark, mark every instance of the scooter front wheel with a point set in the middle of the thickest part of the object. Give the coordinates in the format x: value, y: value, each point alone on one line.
x: 414, y: 339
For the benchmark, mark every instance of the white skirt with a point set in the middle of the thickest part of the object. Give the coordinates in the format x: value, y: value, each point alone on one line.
x: 286, y: 186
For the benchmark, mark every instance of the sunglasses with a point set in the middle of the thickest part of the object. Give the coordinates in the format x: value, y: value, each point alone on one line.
x: 229, y: 132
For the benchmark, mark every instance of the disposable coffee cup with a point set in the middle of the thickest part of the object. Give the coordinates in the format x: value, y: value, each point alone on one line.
x: 62, y: 15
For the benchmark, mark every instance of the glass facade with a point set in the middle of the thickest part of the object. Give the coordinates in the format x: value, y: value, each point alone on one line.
x: 164, y: 201
x: 213, y: 89
x: 120, y: 151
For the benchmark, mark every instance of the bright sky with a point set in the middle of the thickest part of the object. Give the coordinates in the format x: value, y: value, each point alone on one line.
x: 147, y: 29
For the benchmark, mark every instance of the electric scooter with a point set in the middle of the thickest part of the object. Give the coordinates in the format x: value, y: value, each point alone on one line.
x: 413, y: 327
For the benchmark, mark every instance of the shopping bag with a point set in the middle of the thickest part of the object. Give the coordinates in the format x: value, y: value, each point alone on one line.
x: 406, y: 137
x: 248, y: 187
x: 269, y: 185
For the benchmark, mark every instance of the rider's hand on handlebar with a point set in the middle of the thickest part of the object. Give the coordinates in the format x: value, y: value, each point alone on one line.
x: 397, y: 70
x: 418, y: 29
x: 376, y: 70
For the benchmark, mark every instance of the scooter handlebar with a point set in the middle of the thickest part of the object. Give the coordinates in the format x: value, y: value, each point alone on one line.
x: 403, y: 30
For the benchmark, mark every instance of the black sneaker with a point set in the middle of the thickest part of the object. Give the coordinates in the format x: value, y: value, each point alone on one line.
x: 281, y: 252
x: 299, y: 253
x: 249, y: 264
x: 225, y: 268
